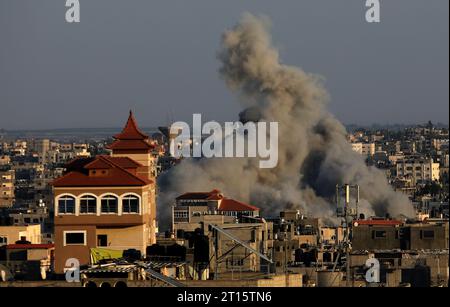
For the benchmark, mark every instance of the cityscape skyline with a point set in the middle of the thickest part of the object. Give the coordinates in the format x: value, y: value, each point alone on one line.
x: 225, y: 146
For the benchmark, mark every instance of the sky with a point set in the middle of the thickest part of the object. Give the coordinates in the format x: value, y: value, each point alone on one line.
x: 158, y: 58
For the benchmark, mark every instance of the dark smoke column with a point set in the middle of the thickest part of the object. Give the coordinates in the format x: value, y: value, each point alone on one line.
x: 314, y: 154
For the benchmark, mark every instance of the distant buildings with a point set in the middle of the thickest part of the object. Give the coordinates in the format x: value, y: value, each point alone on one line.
x: 102, y: 207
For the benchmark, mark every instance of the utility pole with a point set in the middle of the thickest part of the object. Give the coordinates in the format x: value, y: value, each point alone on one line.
x: 216, y: 247
x: 348, y: 213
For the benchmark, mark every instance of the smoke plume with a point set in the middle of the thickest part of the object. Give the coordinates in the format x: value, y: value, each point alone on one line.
x: 314, y: 154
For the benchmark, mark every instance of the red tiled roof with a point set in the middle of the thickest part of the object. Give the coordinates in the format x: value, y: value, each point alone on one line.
x: 131, y: 138
x: 98, y: 164
x: 30, y: 246
x: 228, y: 204
x: 117, y: 174
x: 78, y: 162
x: 109, y: 161
x: 124, y: 162
x: 130, y: 145
x: 379, y: 222
x: 131, y: 130
x: 213, y: 195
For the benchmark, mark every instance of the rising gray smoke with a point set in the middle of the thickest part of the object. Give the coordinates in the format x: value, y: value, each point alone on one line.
x: 314, y: 154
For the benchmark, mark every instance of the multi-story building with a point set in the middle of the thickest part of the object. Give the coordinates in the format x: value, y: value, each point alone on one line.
x: 395, y: 235
x: 365, y: 149
x: 196, y: 211
x: 4, y: 160
x: 41, y: 146
x: 190, y: 207
x: 27, y: 233
x: 419, y: 170
x: 7, y: 178
x: 106, y: 201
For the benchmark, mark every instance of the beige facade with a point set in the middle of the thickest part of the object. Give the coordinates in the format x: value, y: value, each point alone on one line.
x: 11, y: 234
x: 365, y: 149
x: 146, y: 159
x: 117, y: 231
x: 7, y: 179
x: 418, y: 170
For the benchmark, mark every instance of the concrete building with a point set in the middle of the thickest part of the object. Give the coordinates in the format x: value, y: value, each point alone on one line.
x: 421, y: 268
x: 357, y: 147
x: 192, y: 216
x: 7, y: 179
x: 12, y: 234
x: 4, y: 160
x: 376, y: 234
x: 419, y: 170
x: 41, y: 146
x: 365, y: 149
x: 27, y: 261
x: 396, y: 235
x: 190, y: 207
x: 106, y: 201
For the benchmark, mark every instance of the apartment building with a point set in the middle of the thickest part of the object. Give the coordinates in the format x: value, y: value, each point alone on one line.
x: 197, y: 211
x: 190, y: 207
x: 365, y: 149
x: 7, y: 178
x: 418, y: 169
x: 396, y: 235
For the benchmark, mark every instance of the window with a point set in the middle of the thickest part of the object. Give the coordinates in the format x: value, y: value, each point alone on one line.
x: 102, y: 240
x: 109, y: 204
x: 88, y: 205
x: 130, y: 204
x: 3, y: 240
x: 66, y: 205
x: 378, y: 234
x: 427, y: 234
x: 180, y: 214
x: 74, y: 238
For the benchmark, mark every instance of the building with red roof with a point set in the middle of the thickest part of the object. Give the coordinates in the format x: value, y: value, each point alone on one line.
x: 200, y: 214
x: 191, y: 205
x: 107, y: 201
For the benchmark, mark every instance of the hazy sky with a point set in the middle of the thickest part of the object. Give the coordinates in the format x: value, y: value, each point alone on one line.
x: 159, y: 59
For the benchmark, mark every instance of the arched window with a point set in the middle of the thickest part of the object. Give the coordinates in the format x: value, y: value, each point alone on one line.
x: 130, y: 204
x: 66, y: 205
x: 88, y: 204
x: 109, y: 204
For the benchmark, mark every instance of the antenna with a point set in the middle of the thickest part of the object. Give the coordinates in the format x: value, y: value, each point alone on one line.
x: 348, y: 211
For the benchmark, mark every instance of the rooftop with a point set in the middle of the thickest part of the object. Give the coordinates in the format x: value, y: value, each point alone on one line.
x: 225, y: 204
x: 118, y: 171
x: 131, y: 137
